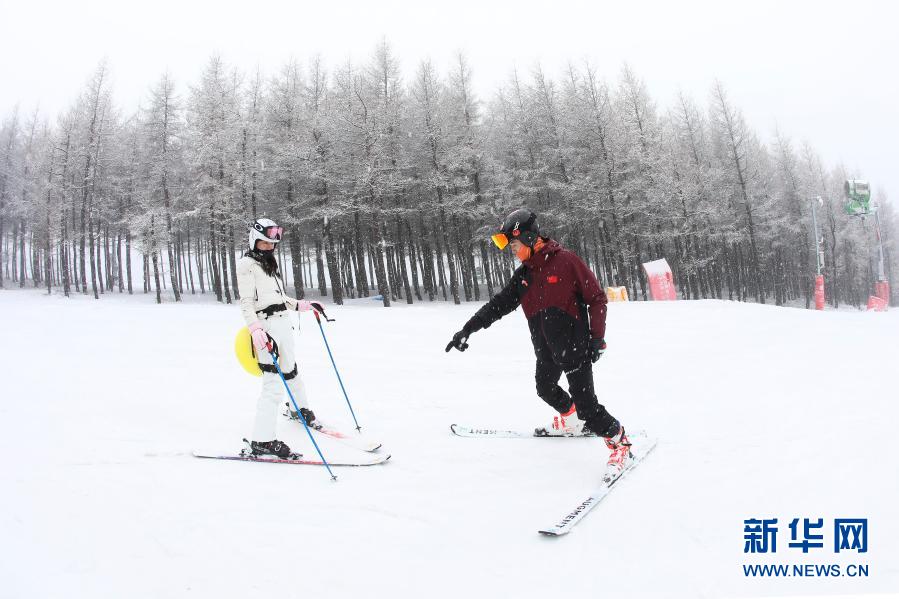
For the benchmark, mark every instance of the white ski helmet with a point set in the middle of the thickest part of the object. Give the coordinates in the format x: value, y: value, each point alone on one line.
x: 264, y: 229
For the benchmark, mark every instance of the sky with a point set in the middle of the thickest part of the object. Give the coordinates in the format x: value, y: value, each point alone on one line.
x: 823, y: 72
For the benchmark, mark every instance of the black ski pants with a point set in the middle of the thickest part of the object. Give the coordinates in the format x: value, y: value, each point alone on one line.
x: 582, y: 394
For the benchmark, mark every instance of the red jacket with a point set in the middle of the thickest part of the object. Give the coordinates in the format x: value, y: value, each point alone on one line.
x: 562, y: 301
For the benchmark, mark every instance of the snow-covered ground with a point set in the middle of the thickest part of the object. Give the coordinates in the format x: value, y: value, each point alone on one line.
x: 761, y: 412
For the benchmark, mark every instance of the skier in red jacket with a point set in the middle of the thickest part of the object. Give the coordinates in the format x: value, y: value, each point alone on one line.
x: 566, y: 312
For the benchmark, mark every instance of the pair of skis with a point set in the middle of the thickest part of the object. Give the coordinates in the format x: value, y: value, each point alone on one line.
x: 641, y: 446
x: 356, y: 441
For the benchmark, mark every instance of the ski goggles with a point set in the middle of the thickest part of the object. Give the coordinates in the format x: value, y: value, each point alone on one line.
x: 273, y: 233
x: 500, y: 240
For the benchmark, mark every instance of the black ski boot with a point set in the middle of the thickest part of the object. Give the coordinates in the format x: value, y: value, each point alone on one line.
x: 275, y: 448
x: 308, y: 415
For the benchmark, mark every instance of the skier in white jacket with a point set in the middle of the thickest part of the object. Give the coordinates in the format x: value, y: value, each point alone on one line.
x: 265, y: 307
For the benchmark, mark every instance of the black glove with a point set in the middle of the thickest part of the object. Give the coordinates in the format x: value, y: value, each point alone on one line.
x: 597, y: 348
x: 459, y: 341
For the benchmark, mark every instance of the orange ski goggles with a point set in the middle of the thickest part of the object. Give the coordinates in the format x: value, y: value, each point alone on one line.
x: 500, y: 240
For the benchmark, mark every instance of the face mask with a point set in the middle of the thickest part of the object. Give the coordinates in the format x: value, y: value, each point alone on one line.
x: 524, y: 253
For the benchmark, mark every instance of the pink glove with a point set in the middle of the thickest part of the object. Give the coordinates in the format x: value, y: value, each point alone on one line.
x: 305, y: 306
x: 259, y: 336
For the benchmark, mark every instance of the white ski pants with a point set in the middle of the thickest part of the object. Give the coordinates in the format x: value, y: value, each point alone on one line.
x: 273, y: 395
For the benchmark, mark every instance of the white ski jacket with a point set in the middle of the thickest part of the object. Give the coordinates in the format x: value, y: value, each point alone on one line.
x: 259, y: 291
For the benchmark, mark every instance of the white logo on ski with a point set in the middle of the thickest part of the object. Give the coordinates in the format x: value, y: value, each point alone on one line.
x: 641, y: 447
x: 465, y: 431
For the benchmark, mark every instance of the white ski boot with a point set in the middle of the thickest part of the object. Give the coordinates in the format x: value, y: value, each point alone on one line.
x: 564, y: 425
x: 620, y: 456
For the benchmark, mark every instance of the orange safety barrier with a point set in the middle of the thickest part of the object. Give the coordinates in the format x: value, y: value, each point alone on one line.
x: 617, y: 294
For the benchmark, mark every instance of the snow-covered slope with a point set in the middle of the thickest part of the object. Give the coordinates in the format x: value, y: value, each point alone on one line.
x: 761, y: 412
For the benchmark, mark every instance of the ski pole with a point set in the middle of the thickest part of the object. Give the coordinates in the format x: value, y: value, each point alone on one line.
x: 274, y: 353
x: 337, y: 372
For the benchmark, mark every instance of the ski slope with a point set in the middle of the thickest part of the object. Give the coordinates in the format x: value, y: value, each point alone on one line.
x: 760, y: 412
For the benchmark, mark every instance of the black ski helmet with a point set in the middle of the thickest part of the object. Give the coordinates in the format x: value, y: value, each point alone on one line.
x: 520, y: 225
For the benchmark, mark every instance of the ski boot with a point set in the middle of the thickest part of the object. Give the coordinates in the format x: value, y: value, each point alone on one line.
x: 564, y: 425
x: 275, y: 448
x: 620, y: 448
x: 308, y: 415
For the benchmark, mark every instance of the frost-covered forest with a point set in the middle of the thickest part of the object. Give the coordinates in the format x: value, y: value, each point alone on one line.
x: 390, y: 183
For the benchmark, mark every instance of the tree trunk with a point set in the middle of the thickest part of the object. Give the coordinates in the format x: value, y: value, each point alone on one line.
x: 380, y: 271
x: 296, y: 265
x: 199, y: 258
x: 97, y: 257
x: 128, y: 259
x: 472, y: 263
x: 146, y: 272
x: 190, y: 269
x: 110, y: 262
x: 320, y: 275
x: 413, y: 254
x: 23, y: 272
x: 213, y: 260
x: 439, y: 263
x: 361, y: 279
x: 93, y: 257
x: 454, y: 282
x: 118, y: 251
x: 223, y: 256
x: 349, y: 267
x: 156, y: 277
x: 333, y: 267
x: 461, y: 259
x: 14, y: 274
x: 179, y: 260
x: 401, y: 260
x: 64, y: 248
x: 485, y: 261
x: 427, y: 261
x: 232, y: 260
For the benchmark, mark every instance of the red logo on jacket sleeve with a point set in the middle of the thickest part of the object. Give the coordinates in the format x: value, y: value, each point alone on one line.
x: 552, y: 279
